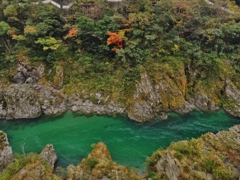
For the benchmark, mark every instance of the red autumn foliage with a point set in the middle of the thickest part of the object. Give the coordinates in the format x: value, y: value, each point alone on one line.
x: 115, y: 40
x: 11, y: 33
x: 72, y: 33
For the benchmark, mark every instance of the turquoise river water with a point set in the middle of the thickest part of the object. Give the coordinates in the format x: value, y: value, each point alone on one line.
x: 130, y: 143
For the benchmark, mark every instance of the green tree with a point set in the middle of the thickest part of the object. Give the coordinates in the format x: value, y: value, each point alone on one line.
x: 49, y: 43
x: 4, y: 34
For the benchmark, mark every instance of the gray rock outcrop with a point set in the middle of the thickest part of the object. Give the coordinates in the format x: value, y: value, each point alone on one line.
x: 152, y: 97
x: 53, y: 102
x: 145, y: 100
x: 3, y: 105
x: 49, y: 154
x: 168, y: 165
x: 20, y: 101
x: 27, y: 74
x: 233, y: 94
x: 6, y: 155
x: 203, y: 102
x: 78, y: 104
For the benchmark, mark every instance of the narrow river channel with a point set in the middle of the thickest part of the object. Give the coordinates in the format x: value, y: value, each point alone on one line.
x: 130, y: 143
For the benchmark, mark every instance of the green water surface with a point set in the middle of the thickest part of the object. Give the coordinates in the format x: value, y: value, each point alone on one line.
x: 129, y: 142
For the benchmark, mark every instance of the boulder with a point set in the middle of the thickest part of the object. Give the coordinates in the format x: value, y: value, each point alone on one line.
x: 19, y: 78
x: 21, y: 102
x: 27, y: 74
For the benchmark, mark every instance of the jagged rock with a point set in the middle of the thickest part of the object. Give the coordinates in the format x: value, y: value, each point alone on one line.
x: 233, y: 93
x: 212, y: 156
x: 3, y: 106
x: 152, y: 97
x: 99, y: 165
x: 27, y: 74
x: 19, y: 78
x: 6, y: 155
x: 34, y: 168
x: 168, y: 165
x: 203, y: 102
x: 29, y: 80
x: 53, y: 101
x: 145, y: 100
x: 49, y: 154
x: 21, y: 102
x: 188, y: 107
x: 141, y: 111
x: 75, y: 103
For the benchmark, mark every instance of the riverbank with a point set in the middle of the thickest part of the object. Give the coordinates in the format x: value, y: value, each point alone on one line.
x: 30, y: 95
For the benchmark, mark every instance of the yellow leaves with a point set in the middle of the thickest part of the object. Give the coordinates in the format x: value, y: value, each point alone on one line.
x: 30, y: 30
x: 18, y: 37
x: 49, y: 43
x: 121, y: 33
x: 175, y: 48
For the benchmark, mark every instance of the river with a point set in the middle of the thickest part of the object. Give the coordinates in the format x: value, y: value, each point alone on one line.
x: 130, y: 143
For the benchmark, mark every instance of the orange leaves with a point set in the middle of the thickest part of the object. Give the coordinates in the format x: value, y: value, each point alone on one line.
x: 11, y: 33
x: 114, y: 39
x: 72, y: 33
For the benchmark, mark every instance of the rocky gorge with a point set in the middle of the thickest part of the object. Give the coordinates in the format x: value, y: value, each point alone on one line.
x: 173, y: 90
x: 212, y: 156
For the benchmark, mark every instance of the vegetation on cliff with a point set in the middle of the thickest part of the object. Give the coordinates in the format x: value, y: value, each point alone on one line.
x: 208, y: 157
x: 188, y: 47
x: 98, y: 165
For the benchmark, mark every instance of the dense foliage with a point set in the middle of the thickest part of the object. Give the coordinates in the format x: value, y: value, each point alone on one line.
x: 199, y: 34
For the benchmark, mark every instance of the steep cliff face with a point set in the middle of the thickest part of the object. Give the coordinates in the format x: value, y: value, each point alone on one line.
x: 162, y: 87
x: 153, y: 95
x: 233, y: 94
x: 168, y: 93
x: 212, y: 156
